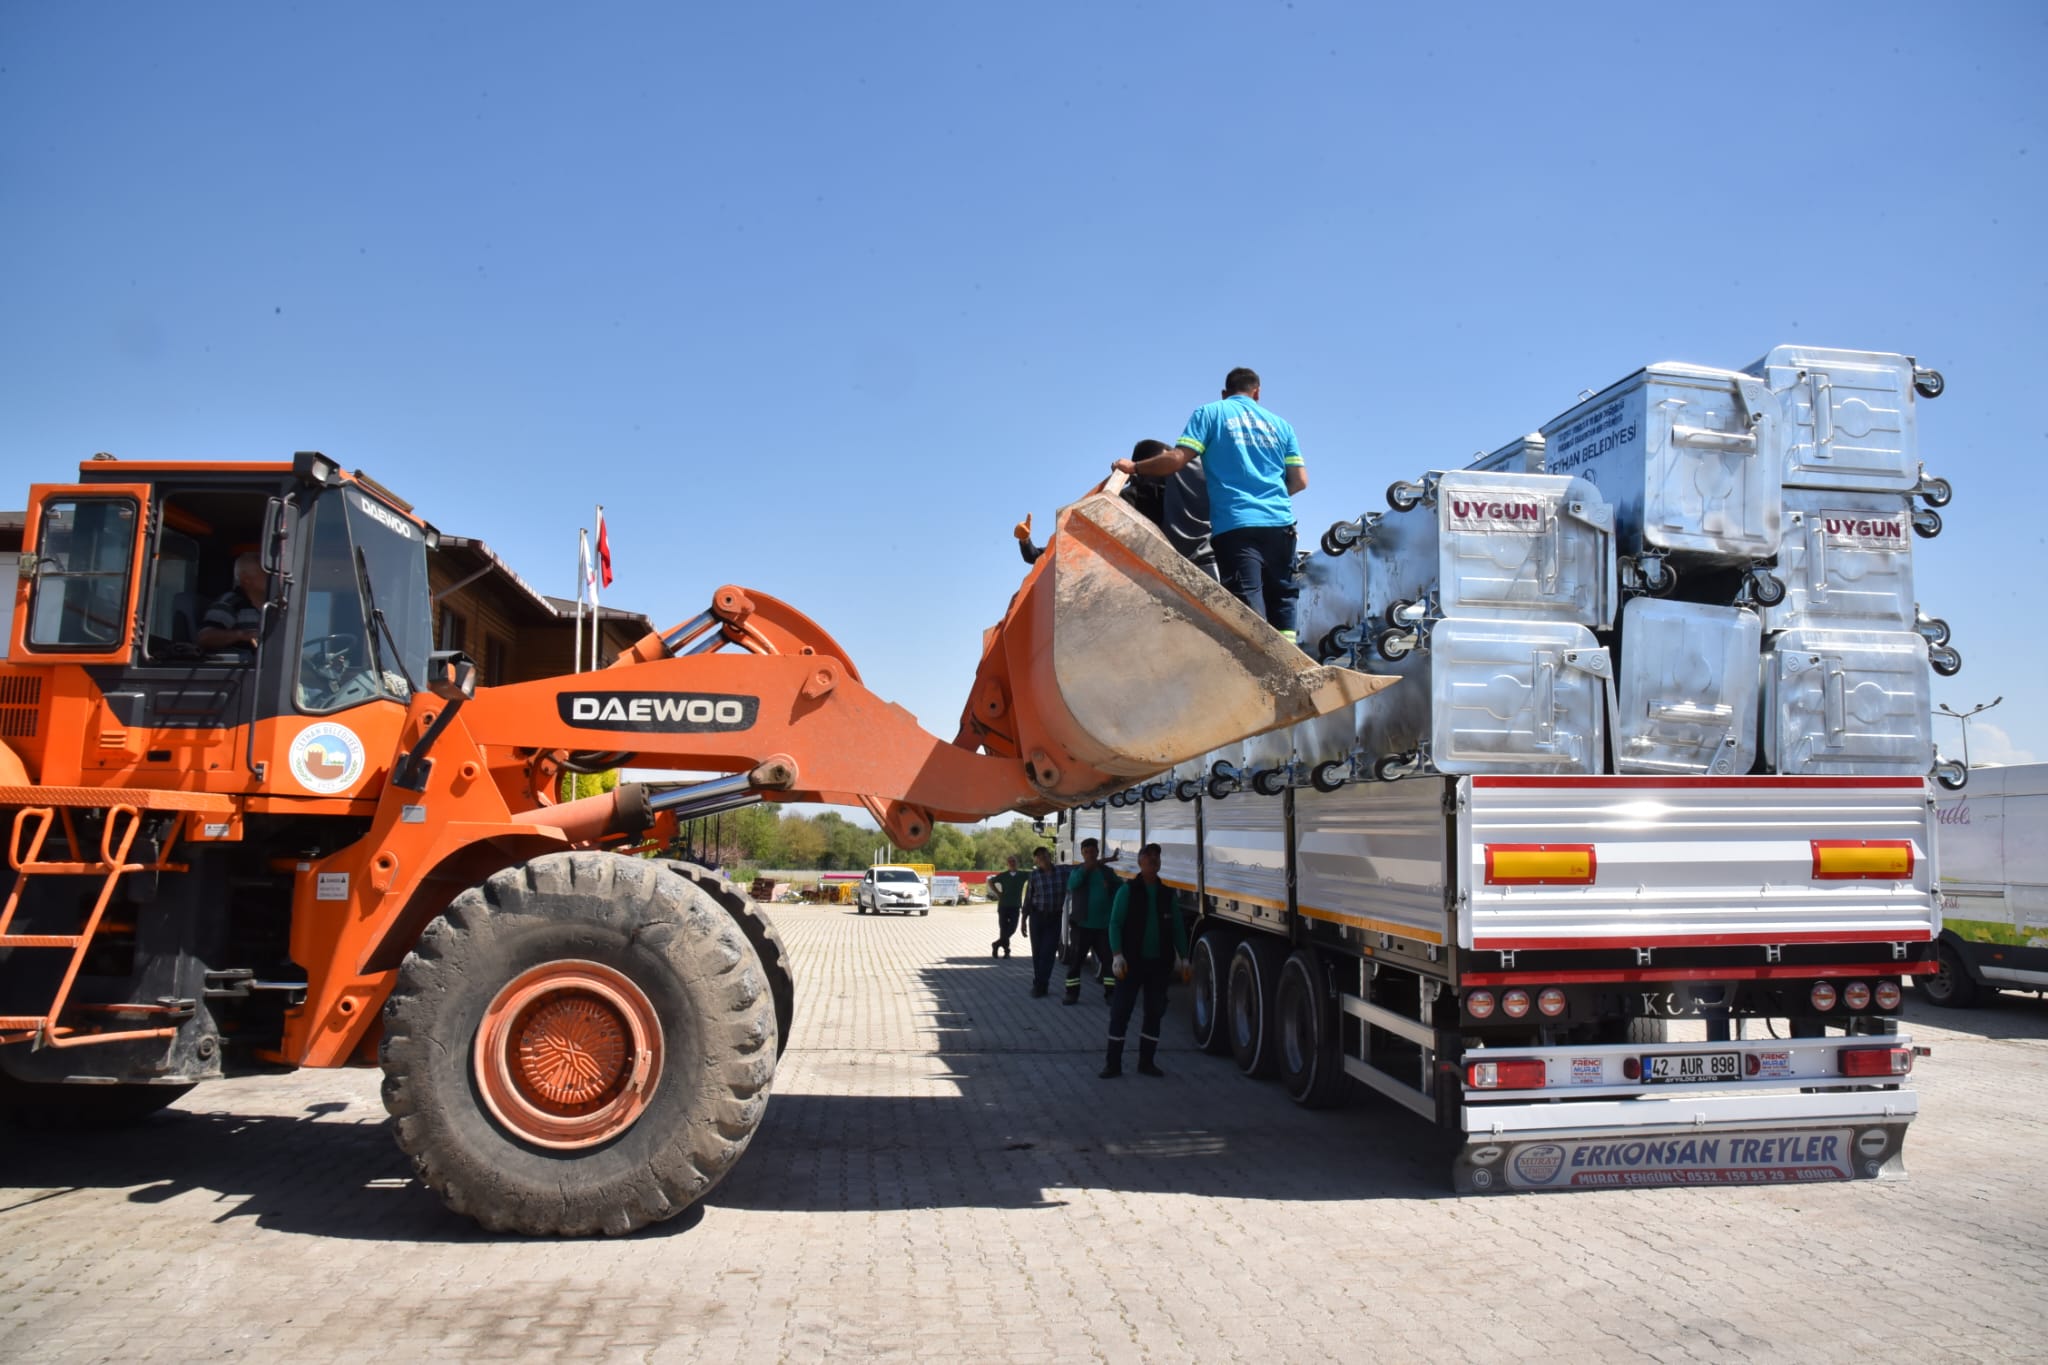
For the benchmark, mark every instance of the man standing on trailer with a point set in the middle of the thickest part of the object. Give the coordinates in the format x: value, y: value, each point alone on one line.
x: 1009, y: 886
x: 1254, y: 468
x: 1149, y: 942
x: 1091, y: 887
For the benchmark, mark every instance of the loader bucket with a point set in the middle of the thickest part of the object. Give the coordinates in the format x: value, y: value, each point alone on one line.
x: 1119, y: 658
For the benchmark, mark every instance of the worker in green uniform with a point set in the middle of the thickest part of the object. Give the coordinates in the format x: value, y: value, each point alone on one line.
x: 1149, y: 945
x: 1089, y: 892
x: 1009, y: 887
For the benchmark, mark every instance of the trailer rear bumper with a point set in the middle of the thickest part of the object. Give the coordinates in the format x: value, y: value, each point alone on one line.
x: 1689, y: 1139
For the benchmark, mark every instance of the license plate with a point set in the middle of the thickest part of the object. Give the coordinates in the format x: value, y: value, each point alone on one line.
x: 1692, y: 1066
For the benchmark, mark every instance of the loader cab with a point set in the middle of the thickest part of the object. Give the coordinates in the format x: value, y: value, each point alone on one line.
x: 121, y: 568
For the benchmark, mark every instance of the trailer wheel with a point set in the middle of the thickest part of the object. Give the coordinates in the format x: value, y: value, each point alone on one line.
x: 582, y: 1044
x: 1309, y: 1051
x: 1209, y: 968
x: 1950, y: 985
x: 55, y: 1104
x: 760, y: 931
x: 1254, y: 969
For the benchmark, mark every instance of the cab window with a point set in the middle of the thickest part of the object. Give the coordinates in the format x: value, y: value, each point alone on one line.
x: 84, y: 551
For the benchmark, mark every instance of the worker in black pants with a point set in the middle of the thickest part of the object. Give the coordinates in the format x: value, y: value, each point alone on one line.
x: 1042, y: 901
x: 1149, y: 943
x: 1090, y: 890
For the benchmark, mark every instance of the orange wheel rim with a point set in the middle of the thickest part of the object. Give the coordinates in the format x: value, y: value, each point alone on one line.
x: 568, y: 1054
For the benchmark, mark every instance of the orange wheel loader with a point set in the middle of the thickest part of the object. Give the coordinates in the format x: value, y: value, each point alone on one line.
x: 312, y: 840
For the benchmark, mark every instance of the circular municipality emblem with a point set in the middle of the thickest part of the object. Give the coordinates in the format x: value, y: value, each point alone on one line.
x: 1539, y: 1164
x: 326, y: 758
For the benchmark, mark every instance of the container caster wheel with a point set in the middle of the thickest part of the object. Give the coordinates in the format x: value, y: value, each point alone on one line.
x: 1220, y: 787
x: 1403, y: 496
x: 1935, y: 492
x: 1945, y: 660
x: 1327, y: 777
x: 1935, y: 629
x: 1928, y: 383
x: 1396, y: 614
x: 1391, y: 768
x: 1187, y: 789
x: 1117, y: 800
x: 1767, y: 588
x: 1270, y: 781
x: 1927, y: 523
x: 1395, y: 644
x: 1951, y: 775
x: 1329, y: 647
x: 1157, y: 791
x: 1659, y: 578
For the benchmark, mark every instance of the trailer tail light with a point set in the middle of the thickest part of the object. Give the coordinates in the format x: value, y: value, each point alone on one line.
x: 1479, y: 1004
x: 1519, y: 1073
x: 1823, y: 996
x: 1875, y: 1061
x: 1540, y: 864
x: 1856, y: 996
x: 1872, y: 860
x: 1515, y: 1003
x: 1887, y: 995
x: 1551, y: 1002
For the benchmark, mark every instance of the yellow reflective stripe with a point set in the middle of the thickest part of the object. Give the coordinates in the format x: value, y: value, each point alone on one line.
x: 1291, y: 459
x: 1192, y: 444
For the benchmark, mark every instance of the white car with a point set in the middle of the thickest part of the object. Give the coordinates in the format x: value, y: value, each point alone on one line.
x: 892, y: 888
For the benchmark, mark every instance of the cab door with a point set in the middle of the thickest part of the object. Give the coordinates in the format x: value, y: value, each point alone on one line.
x: 80, y: 575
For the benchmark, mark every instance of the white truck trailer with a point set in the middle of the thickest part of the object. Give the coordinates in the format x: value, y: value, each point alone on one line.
x: 1505, y: 955
x: 1993, y: 838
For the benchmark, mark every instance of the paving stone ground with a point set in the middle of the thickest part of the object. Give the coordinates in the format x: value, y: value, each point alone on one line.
x: 942, y: 1177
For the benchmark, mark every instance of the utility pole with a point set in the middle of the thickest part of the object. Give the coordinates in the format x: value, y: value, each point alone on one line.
x: 1964, y: 717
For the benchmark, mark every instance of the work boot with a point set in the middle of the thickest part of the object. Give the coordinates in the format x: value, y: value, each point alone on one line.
x: 1113, y: 1063
x: 1148, y: 1048
x: 995, y: 949
x: 1039, y: 992
x: 1072, y: 997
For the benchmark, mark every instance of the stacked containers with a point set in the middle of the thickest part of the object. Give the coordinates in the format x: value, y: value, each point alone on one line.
x: 1846, y: 666
x: 1760, y: 524
x: 1484, y: 589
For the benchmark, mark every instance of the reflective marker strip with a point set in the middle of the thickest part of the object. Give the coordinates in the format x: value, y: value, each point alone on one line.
x: 1192, y: 444
x: 1839, y: 860
x: 1540, y: 864
x: 1291, y: 460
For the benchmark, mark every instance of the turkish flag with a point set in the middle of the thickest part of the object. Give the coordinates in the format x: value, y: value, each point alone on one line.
x: 604, y: 552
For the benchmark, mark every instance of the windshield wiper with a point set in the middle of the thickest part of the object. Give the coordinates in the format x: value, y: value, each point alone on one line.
x: 377, y: 615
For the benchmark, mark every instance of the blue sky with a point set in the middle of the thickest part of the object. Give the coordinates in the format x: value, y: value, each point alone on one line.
x: 821, y: 298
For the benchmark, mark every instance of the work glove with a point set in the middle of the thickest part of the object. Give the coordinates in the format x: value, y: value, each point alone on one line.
x: 1119, y: 967
x: 1183, y: 969
x: 1022, y: 530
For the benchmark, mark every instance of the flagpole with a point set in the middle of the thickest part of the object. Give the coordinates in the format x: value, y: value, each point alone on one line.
x: 596, y: 580
x: 582, y: 580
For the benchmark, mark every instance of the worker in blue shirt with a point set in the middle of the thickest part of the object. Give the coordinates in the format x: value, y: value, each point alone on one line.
x: 1254, y: 469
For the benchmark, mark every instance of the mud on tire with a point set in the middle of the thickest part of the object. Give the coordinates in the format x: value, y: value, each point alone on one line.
x: 704, y: 1001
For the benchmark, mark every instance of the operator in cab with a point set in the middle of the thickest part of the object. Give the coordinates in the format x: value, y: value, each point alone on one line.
x: 236, y: 616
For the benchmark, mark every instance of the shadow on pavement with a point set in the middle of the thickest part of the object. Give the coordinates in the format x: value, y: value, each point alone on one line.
x: 998, y: 1106
x: 1013, y: 1115
x: 1998, y: 1016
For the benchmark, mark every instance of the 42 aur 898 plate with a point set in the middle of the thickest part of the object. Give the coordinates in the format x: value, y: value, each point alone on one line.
x: 1692, y: 1066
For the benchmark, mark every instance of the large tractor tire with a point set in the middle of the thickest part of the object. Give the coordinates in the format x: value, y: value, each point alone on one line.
x: 760, y: 931
x: 1308, y: 1046
x: 582, y: 1044
x: 1209, y: 972
x: 1248, y: 1016
x: 51, y: 1104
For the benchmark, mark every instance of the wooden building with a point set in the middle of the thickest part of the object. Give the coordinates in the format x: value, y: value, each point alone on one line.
x: 513, y: 631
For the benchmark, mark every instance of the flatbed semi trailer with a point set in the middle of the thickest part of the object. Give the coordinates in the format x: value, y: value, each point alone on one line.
x: 1507, y: 956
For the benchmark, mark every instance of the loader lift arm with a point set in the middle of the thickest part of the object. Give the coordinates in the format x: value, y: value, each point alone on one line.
x: 1116, y: 659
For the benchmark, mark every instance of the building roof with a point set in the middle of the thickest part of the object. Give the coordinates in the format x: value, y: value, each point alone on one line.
x: 471, y: 561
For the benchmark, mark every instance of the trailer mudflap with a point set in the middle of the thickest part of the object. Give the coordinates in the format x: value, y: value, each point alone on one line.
x: 1787, y: 1138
